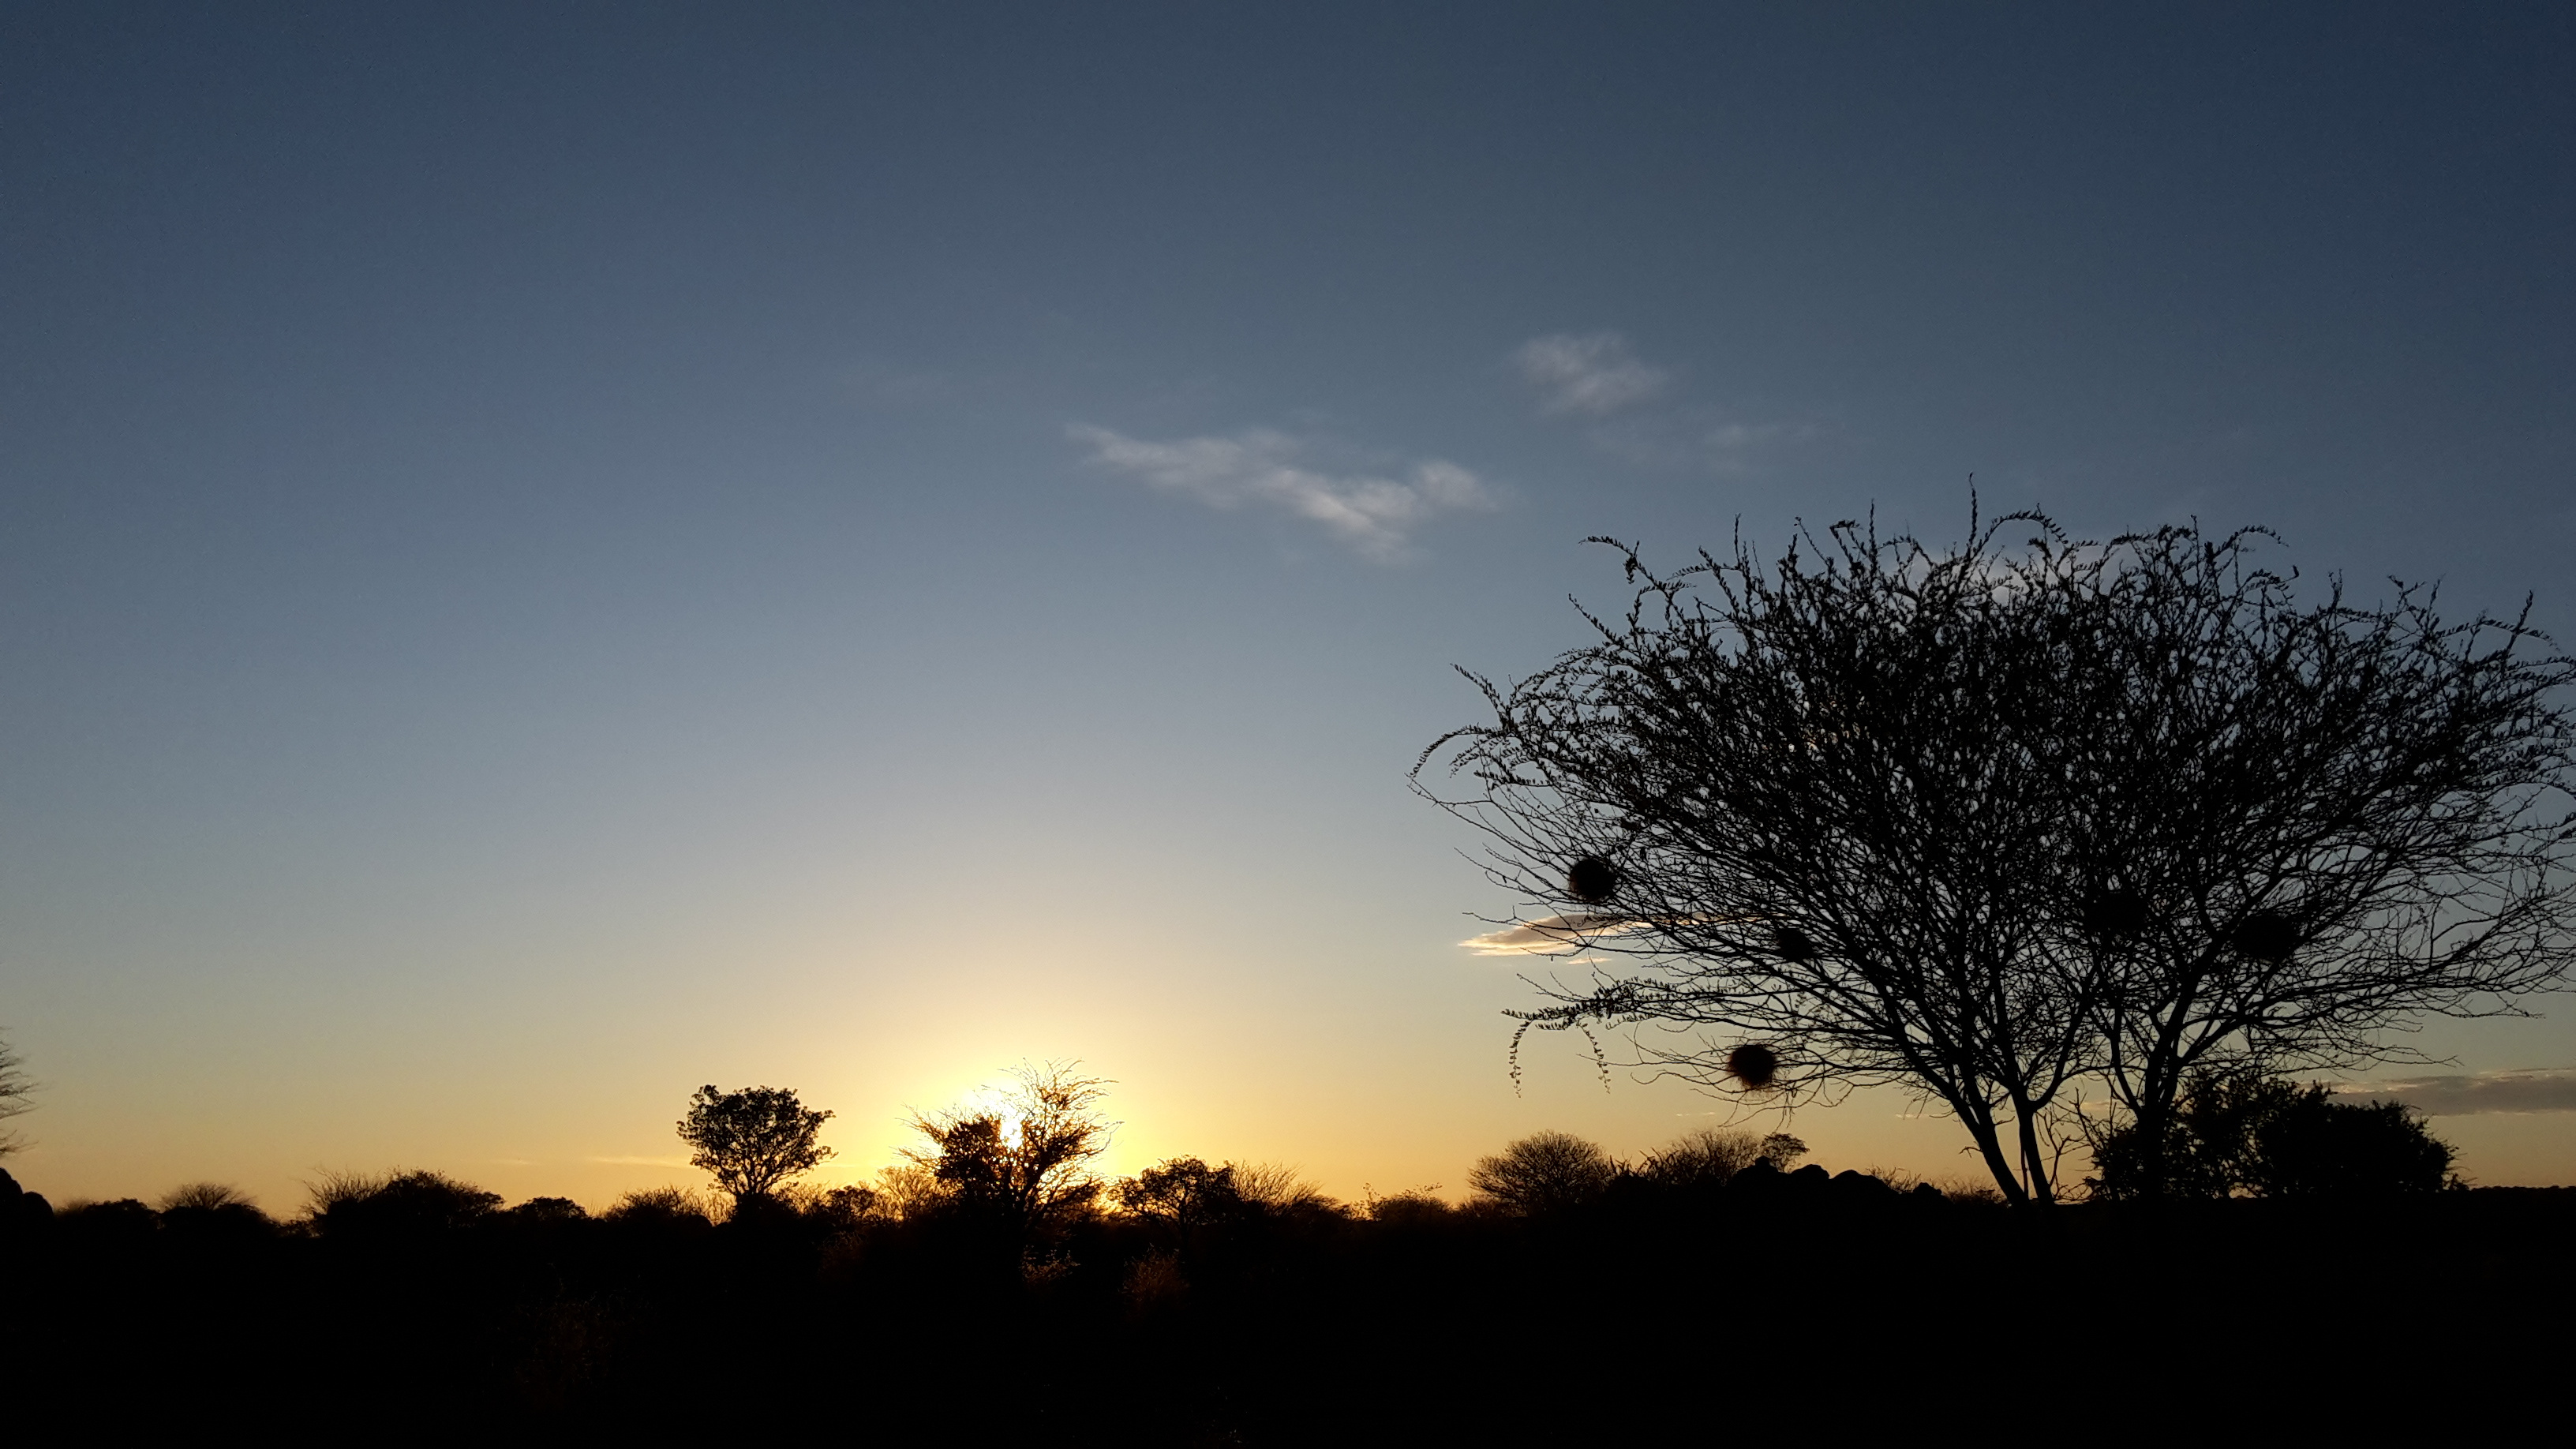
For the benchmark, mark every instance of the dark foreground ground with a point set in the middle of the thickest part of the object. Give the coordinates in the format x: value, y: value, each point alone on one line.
x: 1723, y: 1316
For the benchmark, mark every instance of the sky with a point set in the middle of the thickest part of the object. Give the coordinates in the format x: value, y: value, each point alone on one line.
x: 553, y: 554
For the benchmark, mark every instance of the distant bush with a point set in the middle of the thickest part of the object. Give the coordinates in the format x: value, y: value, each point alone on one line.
x: 1542, y: 1173
x: 211, y: 1211
x: 122, y: 1217
x: 661, y: 1205
x: 402, y: 1202
x: 1183, y: 1195
x: 2242, y: 1134
x: 548, y: 1210
x: 909, y: 1190
x: 1413, y: 1207
x: 1280, y: 1190
x: 206, y: 1197
x: 1713, y: 1156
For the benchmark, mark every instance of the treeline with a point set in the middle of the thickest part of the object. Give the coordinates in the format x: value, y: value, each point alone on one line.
x: 974, y: 1294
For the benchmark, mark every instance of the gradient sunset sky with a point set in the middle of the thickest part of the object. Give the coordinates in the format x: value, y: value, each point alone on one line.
x: 555, y: 553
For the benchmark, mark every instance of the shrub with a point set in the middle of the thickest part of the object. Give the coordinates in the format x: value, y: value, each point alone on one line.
x: 403, y: 1202
x: 661, y: 1205
x: 1542, y: 1173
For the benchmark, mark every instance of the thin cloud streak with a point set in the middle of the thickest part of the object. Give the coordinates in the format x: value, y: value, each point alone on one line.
x: 1595, y: 378
x: 1376, y: 516
x: 2541, y: 1089
x: 1593, y: 374
x: 1549, y: 934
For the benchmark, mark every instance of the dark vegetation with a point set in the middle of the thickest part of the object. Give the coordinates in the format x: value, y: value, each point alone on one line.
x: 991, y: 1289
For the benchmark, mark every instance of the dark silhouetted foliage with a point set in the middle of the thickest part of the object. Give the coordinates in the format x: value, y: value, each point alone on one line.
x: 1022, y: 1168
x: 1544, y: 1172
x: 2241, y: 1133
x: 17, y: 1092
x: 753, y: 1140
x: 661, y: 1205
x: 1283, y: 1321
x: 2000, y: 823
x: 403, y: 1203
x: 1184, y: 1195
x: 1713, y: 1156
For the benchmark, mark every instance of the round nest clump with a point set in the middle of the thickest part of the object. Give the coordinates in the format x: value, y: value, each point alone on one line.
x: 2265, y: 935
x: 1753, y: 1066
x: 1591, y: 880
x: 1793, y: 944
x: 2118, y: 911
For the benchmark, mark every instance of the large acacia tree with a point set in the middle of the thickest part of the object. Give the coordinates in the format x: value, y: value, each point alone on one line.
x: 2017, y: 823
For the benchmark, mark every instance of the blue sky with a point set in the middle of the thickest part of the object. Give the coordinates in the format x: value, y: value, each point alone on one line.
x: 549, y: 554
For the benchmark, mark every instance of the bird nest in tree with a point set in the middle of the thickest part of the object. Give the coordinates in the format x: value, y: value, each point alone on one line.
x: 2116, y: 911
x: 1591, y: 880
x: 1793, y: 944
x: 1754, y: 1066
x: 2265, y: 935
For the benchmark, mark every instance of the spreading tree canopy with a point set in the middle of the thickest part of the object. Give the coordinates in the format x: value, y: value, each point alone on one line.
x: 753, y: 1139
x: 2019, y: 825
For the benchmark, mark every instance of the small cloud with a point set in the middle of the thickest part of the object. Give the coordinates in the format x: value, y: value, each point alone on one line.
x: 640, y: 1161
x: 1372, y: 514
x: 2541, y: 1089
x: 1593, y: 375
x: 1549, y: 935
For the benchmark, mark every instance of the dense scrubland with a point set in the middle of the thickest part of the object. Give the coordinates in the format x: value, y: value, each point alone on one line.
x: 1703, y: 1289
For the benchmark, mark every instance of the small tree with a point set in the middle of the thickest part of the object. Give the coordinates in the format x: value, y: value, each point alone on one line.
x: 753, y: 1139
x: 1021, y: 1166
x: 1542, y: 1173
x: 401, y: 1204
x: 1714, y: 1155
x: 2242, y: 1134
x: 16, y: 1092
x: 1183, y: 1194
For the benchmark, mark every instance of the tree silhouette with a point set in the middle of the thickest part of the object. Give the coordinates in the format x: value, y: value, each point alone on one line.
x: 753, y: 1139
x: 1542, y: 1173
x: 1714, y: 1155
x: 1021, y: 1166
x: 1998, y: 825
x: 2240, y: 1133
x: 16, y: 1092
x: 1184, y: 1195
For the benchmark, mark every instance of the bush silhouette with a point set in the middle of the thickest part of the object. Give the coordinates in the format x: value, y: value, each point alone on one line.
x: 403, y: 1203
x: 1713, y: 1156
x: 660, y: 1205
x: 1544, y: 1172
x: 2244, y: 1134
x: 1183, y: 1195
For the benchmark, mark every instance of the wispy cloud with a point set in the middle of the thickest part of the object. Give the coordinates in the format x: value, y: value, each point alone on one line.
x: 641, y: 1161
x: 1375, y: 515
x: 1593, y: 375
x: 1549, y: 935
x: 1623, y: 406
x: 2542, y: 1089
